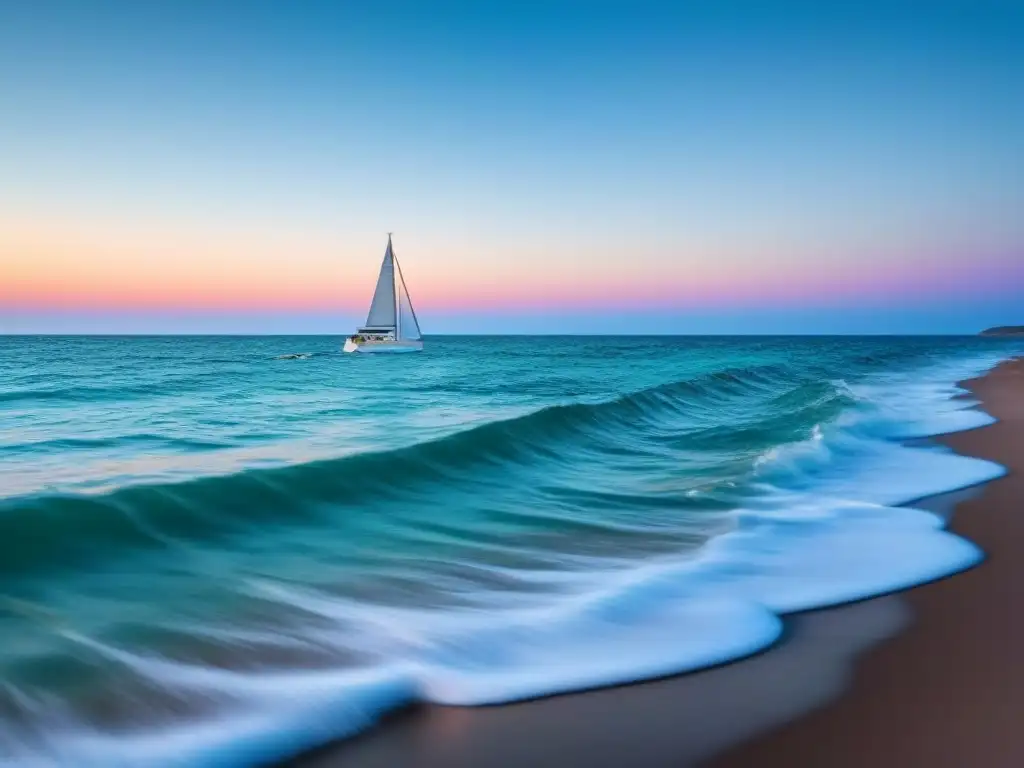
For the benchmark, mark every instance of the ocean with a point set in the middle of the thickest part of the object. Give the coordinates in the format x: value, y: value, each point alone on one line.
x: 224, y: 550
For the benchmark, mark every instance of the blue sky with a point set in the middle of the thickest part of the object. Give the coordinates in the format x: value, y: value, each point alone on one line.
x: 717, y: 167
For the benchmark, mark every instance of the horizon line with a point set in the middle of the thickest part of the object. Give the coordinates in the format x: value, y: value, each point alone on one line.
x: 171, y: 334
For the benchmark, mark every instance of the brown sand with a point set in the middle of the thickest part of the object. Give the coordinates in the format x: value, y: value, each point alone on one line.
x: 950, y: 690
x: 945, y: 692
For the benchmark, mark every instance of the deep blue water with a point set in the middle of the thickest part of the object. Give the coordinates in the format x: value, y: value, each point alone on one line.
x: 210, y: 555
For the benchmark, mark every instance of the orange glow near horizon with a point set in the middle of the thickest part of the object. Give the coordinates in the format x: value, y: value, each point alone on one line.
x: 163, y: 268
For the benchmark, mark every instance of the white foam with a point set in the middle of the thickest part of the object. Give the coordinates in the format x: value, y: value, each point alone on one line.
x: 638, y: 634
x: 281, y: 715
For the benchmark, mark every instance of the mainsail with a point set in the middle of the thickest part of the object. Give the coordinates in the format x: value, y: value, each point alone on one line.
x: 382, y: 308
x: 391, y: 308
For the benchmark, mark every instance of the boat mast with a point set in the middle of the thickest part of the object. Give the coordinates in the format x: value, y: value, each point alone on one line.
x: 394, y: 290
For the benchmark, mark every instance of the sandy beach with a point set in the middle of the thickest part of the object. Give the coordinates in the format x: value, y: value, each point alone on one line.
x: 930, y: 676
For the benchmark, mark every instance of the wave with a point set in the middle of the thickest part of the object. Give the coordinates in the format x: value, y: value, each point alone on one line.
x: 123, y: 385
x: 53, y: 532
x: 799, y: 469
x: 82, y: 393
x: 139, y: 441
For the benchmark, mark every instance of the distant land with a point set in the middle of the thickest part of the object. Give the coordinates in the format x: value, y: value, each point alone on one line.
x: 1004, y: 330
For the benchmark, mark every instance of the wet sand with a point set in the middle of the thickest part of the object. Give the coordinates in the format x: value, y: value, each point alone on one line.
x: 932, y: 676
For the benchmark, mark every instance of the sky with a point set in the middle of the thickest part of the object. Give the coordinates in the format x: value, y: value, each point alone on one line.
x: 583, y: 166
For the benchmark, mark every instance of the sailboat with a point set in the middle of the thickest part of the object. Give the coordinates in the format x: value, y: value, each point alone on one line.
x: 391, y: 325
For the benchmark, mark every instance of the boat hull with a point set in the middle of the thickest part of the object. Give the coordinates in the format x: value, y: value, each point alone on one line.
x: 382, y: 346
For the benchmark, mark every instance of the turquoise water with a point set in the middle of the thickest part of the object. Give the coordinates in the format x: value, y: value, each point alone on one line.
x: 211, y: 555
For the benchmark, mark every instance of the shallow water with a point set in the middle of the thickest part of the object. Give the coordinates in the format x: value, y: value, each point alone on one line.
x: 213, y: 555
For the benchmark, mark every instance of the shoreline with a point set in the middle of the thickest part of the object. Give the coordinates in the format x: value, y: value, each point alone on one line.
x: 947, y: 691
x: 771, y: 704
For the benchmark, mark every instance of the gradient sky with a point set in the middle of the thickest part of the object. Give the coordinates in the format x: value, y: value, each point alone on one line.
x: 546, y: 165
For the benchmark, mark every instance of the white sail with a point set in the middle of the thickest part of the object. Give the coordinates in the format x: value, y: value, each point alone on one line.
x: 382, y: 309
x: 391, y: 325
x: 408, y: 325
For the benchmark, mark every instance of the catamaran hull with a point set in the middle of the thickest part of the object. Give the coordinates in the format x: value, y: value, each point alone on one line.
x: 385, y: 346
